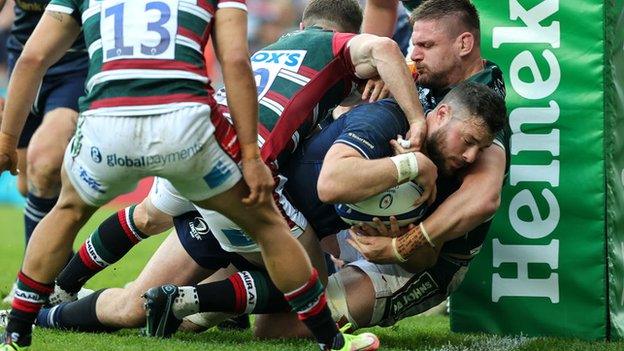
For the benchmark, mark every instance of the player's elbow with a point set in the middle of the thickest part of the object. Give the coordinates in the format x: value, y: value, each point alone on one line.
x: 328, y: 190
x: 489, y: 204
x: 31, y: 61
x: 384, y: 46
x: 235, y: 59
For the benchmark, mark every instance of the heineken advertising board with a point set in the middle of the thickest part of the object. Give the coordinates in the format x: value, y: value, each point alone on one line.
x: 552, y: 263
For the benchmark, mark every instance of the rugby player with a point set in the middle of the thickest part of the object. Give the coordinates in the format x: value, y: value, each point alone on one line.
x: 358, y: 140
x: 301, y: 77
x: 460, y: 222
x: 50, y: 122
x: 146, y: 89
x: 447, y: 51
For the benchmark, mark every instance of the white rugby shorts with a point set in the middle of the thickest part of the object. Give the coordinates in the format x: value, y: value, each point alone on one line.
x: 108, y: 155
x: 164, y: 196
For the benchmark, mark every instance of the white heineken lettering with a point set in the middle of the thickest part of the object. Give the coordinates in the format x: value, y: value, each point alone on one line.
x: 533, y: 32
x: 521, y: 141
x: 539, y: 87
x: 528, y: 124
x: 523, y: 285
x: 536, y: 228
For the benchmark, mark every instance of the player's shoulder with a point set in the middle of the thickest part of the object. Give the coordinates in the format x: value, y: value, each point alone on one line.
x: 382, y: 110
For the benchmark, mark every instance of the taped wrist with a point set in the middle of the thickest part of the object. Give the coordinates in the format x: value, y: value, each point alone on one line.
x: 406, y: 165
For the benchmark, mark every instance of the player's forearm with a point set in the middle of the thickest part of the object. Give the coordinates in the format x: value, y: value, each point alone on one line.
x: 22, y: 91
x: 344, y: 180
x: 461, y: 212
x: 243, y: 103
x: 394, y: 72
x: 380, y: 17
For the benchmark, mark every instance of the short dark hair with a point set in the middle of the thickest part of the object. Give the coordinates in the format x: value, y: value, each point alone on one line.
x: 479, y: 101
x: 346, y: 14
x: 463, y: 10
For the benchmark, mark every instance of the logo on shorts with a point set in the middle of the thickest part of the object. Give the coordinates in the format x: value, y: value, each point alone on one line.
x: 416, y: 291
x: 198, y: 228
x: 92, y: 183
x: 386, y: 201
x: 96, y: 155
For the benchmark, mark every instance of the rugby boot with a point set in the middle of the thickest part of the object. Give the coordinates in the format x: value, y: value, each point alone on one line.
x: 161, y: 322
x: 359, y: 342
x: 4, y: 318
x: 10, y: 343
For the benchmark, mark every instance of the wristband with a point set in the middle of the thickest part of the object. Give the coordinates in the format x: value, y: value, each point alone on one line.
x: 426, y: 235
x: 396, y: 253
x: 406, y: 165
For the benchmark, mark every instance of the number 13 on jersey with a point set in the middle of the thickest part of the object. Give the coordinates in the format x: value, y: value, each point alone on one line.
x: 138, y: 29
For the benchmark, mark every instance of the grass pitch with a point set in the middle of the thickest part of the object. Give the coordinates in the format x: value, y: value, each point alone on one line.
x: 416, y: 333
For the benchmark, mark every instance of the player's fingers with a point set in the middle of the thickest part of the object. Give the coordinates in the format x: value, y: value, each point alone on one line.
x: 397, y: 148
x: 252, y: 198
x: 434, y: 193
x: 380, y: 226
x: 385, y: 92
x: 394, y: 226
x: 367, y: 89
x: 363, y: 230
x: 376, y: 91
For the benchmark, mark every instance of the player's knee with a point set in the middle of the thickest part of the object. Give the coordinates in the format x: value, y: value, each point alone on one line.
x: 151, y: 221
x: 44, y: 171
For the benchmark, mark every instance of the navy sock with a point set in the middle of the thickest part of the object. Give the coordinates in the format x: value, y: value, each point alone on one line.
x: 79, y: 315
x: 36, y: 208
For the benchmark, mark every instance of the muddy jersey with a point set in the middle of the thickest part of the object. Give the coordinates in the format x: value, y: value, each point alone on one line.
x: 27, y: 15
x: 146, y: 56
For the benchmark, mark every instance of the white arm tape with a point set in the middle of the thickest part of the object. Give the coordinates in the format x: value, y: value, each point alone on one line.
x: 406, y: 165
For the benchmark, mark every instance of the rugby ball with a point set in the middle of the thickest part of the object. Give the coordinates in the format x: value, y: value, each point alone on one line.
x: 397, y: 201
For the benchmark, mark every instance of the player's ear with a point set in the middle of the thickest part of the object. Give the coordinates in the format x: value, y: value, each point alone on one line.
x: 465, y: 43
x: 301, y: 27
x: 442, y: 114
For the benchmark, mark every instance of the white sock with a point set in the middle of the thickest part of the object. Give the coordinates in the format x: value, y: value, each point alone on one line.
x: 186, y: 303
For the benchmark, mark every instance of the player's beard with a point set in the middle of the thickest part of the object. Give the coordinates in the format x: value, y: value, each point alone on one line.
x: 435, y: 79
x: 436, y: 150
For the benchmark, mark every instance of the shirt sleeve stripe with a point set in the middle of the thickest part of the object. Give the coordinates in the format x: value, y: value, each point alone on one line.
x: 232, y: 4
x: 355, y: 146
x: 60, y: 8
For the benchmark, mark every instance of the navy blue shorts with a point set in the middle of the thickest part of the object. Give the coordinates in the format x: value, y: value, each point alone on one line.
x: 62, y: 90
x: 203, y: 247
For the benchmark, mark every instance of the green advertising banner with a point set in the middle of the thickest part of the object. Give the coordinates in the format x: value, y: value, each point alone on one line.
x: 614, y: 151
x: 542, y: 269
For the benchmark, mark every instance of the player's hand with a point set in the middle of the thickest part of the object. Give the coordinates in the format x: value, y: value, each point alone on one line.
x: 377, y: 249
x: 378, y: 228
x: 8, y: 153
x: 427, y: 176
x: 259, y: 180
x: 415, y: 139
x: 375, y: 89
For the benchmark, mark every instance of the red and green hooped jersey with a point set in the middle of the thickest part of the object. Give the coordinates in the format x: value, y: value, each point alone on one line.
x: 146, y: 56
x: 299, y: 78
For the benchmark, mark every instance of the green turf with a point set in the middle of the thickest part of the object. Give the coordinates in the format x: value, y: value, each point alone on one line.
x: 417, y: 333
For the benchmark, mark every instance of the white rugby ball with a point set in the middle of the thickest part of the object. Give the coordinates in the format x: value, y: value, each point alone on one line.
x: 397, y: 201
